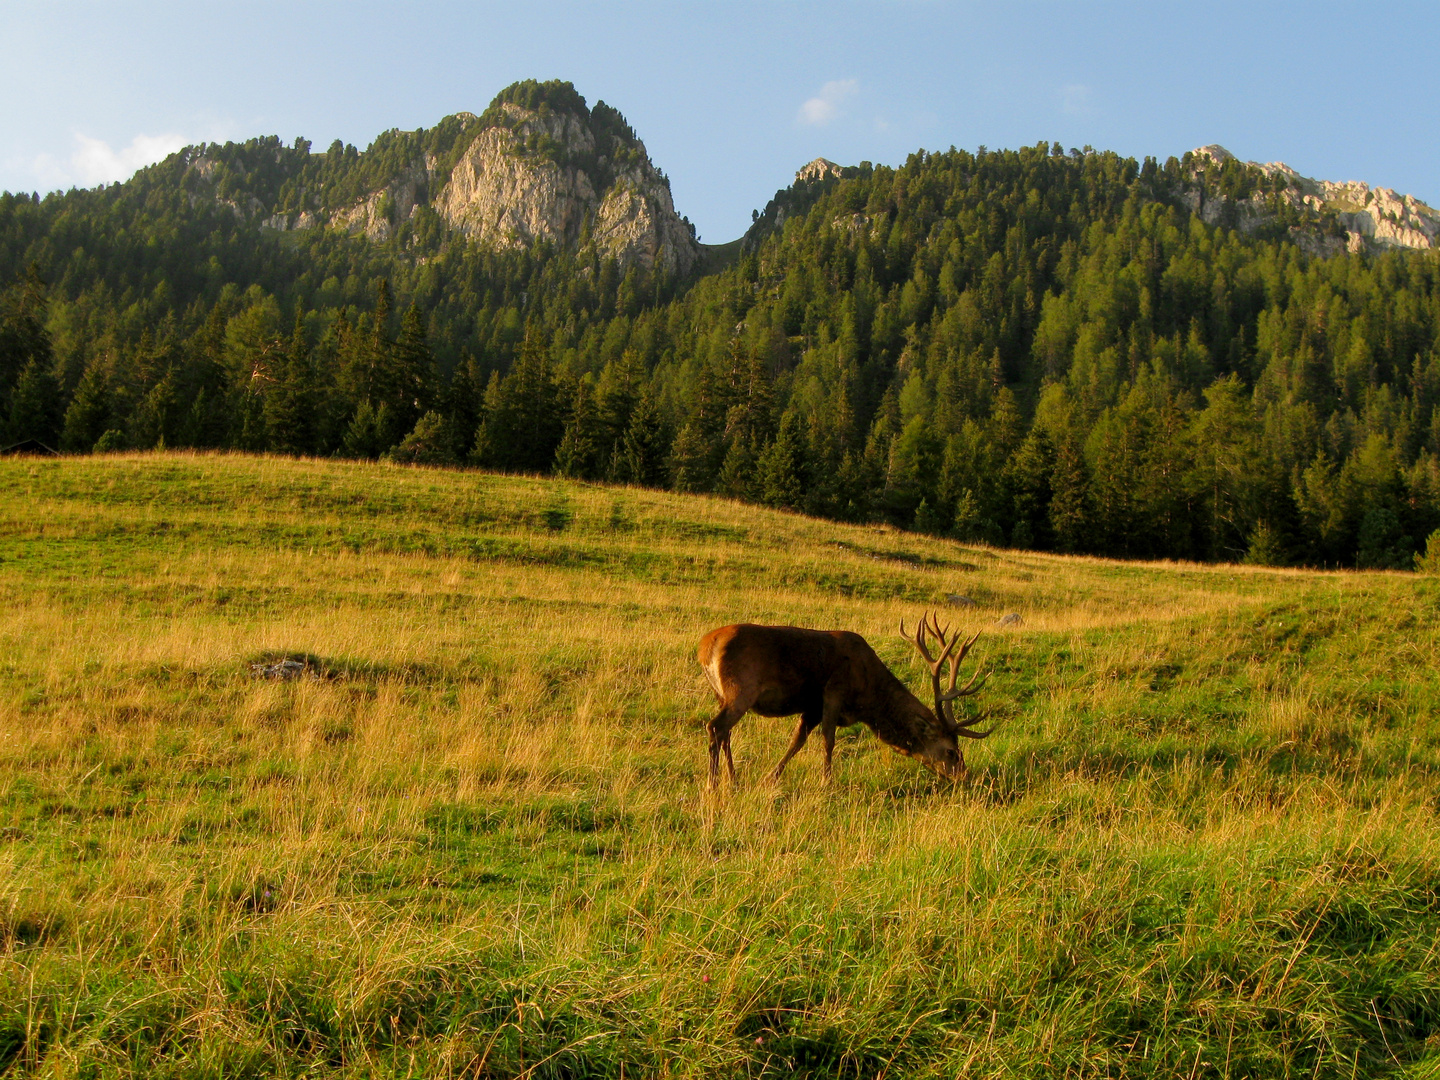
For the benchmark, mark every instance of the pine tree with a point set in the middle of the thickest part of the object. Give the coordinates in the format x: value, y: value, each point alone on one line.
x: 88, y: 416
x: 578, y: 455
x: 35, y: 411
x: 646, y: 445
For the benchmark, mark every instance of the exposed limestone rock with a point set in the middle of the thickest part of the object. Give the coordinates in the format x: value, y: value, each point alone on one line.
x: 637, y: 223
x: 549, y: 171
x: 378, y: 214
x: 503, y: 191
x: 499, y: 195
x: 1371, y: 217
x: 819, y: 169
x: 285, y: 222
x: 851, y: 223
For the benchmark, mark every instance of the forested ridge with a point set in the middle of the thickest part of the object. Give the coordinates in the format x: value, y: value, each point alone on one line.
x: 1036, y: 348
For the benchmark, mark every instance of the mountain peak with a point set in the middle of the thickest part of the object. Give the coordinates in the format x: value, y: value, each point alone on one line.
x: 819, y: 169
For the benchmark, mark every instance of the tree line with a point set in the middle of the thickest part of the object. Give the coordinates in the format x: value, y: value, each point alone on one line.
x: 1034, y: 348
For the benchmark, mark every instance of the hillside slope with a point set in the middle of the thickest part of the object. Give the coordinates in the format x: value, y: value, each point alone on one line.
x: 472, y: 838
x: 1069, y: 351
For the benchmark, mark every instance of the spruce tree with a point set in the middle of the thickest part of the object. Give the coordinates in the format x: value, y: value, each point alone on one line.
x: 23, y: 338
x: 782, y: 467
x: 493, y: 442
x: 426, y: 443
x: 691, y: 459
x: 1070, y: 513
x: 616, y: 396
x: 291, y: 401
x: 414, y: 377
x: 35, y: 407
x: 366, y: 435
x: 153, y: 422
x: 646, y: 445
x: 88, y: 416
x: 1027, y: 479
x: 738, y: 477
x: 578, y: 455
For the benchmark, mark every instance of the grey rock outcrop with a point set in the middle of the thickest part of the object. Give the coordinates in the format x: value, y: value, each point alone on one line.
x: 378, y: 214
x: 1372, y: 218
x: 819, y: 169
x: 550, y: 170
x: 505, y: 193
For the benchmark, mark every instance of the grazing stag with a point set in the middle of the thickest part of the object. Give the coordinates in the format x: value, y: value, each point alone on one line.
x: 833, y: 678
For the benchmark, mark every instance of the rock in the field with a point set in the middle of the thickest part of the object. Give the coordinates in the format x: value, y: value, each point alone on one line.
x: 1012, y: 619
x: 286, y: 669
x: 956, y: 600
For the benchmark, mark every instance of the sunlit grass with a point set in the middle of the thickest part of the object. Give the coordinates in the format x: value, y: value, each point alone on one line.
x: 477, y: 842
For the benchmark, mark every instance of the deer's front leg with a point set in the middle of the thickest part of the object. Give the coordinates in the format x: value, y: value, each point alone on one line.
x: 802, y: 732
x: 827, y: 732
x: 830, y: 720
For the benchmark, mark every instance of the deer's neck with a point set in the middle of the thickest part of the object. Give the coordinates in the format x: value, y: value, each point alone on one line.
x: 901, y: 719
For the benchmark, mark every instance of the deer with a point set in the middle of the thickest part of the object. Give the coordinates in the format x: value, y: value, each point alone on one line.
x: 833, y: 678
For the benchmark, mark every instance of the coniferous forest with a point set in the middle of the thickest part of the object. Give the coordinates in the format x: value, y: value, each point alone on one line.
x: 1036, y: 348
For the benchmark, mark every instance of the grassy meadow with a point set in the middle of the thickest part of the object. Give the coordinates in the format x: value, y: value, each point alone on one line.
x: 475, y: 841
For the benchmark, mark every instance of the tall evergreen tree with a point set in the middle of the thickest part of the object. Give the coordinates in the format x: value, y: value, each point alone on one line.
x: 646, y: 446
x: 578, y: 456
x: 23, y: 338
x: 35, y: 407
x: 88, y: 416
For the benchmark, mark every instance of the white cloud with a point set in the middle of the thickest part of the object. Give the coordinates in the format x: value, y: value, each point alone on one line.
x: 1075, y: 100
x: 825, y: 106
x: 94, y: 161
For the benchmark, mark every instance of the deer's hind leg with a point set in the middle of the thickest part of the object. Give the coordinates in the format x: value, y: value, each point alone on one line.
x: 719, y: 729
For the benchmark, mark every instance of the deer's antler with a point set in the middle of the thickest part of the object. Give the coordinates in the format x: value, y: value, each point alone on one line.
x: 930, y: 625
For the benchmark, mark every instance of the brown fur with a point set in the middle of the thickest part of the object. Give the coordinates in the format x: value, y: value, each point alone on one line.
x: 831, y: 678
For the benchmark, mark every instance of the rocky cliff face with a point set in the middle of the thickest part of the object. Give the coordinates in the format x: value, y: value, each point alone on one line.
x: 543, y: 175
x: 538, y: 166
x: 1366, y: 218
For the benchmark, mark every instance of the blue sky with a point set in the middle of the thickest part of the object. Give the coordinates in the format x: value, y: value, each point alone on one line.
x: 732, y: 98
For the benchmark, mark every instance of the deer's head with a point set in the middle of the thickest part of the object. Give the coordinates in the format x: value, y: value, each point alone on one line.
x: 938, y: 741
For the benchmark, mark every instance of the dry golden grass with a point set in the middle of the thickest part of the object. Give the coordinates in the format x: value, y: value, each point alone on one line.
x: 478, y: 844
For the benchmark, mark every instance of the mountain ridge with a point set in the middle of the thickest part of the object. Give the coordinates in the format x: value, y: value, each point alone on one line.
x: 1069, y: 350
x: 1371, y: 218
x: 538, y: 166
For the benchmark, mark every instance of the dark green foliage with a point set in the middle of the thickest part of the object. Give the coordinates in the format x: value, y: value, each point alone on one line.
x: 426, y: 444
x: 1037, y: 347
x: 578, y: 455
x: 30, y: 400
x: 88, y: 416
x: 643, y: 450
